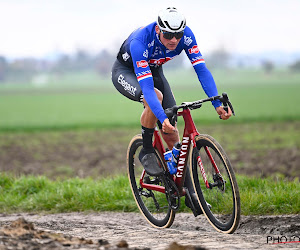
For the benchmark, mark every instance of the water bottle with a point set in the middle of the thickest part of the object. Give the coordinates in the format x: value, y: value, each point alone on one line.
x: 171, y: 158
x: 175, y: 152
x: 170, y: 162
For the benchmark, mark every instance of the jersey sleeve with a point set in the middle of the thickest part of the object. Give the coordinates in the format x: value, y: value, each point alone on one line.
x: 139, y: 53
x: 204, y: 75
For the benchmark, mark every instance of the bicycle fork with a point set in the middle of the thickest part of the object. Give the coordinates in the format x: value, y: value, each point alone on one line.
x: 217, y: 177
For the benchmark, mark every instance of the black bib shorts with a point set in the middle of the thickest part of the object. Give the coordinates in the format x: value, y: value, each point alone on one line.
x: 125, y: 81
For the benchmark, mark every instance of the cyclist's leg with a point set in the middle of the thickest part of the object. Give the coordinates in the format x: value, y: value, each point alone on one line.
x: 161, y: 83
x: 147, y: 154
x: 125, y: 81
x: 148, y: 119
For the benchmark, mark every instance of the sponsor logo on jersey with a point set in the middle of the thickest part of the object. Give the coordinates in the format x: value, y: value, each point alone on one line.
x: 127, y: 87
x: 142, y: 64
x: 145, y: 54
x: 143, y: 75
x: 196, y: 60
x: 151, y: 44
x: 194, y: 50
x: 125, y: 56
x: 160, y: 61
x: 156, y: 51
x: 188, y: 40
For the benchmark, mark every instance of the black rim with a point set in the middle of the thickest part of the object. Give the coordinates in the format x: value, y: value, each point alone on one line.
x: 219, y: 195
x: 153, y: 204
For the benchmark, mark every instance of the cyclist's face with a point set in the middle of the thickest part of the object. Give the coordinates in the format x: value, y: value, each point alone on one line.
x: 169, y: 44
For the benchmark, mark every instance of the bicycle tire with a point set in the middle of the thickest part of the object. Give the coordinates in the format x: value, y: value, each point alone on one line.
x: 155, y: 207
x: 220, y: 203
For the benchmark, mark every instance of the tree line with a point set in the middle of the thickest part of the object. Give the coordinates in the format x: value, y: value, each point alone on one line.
x: 23, y: 69
x: 81, y: 60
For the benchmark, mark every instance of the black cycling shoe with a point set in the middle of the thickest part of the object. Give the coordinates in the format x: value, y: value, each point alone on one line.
x: 150, y: 164
x: 195, y: 206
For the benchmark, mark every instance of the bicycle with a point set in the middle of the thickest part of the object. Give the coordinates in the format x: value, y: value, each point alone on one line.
x: 209, y: 184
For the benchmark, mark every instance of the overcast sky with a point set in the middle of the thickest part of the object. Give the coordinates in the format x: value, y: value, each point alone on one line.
x: 39, y: 27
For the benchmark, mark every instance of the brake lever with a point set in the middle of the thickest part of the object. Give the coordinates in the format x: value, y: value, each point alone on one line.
x: 172, y: 114
x: 230, y: 105
x: 173, y: 120
x: 225, y: 100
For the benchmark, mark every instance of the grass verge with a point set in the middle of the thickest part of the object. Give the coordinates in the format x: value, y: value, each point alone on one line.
x: 40, y: 194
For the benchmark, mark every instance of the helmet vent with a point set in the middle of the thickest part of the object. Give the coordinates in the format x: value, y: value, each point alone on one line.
x: 171, y: 20
x: 180, y: 26
x: 161, y: 24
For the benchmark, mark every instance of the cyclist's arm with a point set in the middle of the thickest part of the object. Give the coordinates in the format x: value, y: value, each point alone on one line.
x: 204, y: 75
x: 144, y: 77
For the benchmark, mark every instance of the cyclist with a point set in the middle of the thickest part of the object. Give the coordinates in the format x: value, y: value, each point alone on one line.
x: 137, y: 74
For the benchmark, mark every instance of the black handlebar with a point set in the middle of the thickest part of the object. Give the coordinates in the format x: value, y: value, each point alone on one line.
x: 226, y: 103
x: 172, y: 112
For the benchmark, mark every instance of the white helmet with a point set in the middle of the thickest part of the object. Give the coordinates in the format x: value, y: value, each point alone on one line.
x: 171, y: 20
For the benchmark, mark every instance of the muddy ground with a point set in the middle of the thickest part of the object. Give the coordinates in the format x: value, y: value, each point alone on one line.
x: 103, y: 152
x: 95, y: 153
x: 130, y: 230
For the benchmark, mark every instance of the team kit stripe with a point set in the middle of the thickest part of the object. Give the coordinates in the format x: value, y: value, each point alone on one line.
x: 144, y: 76
x: 198, y: 61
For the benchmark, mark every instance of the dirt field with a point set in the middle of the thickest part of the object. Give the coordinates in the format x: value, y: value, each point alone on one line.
x: 130, y: 230
x: 97, y: 153
x: 103, y: 152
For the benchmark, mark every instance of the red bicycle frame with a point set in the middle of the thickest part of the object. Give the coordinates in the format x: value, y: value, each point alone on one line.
x: 188, y: 139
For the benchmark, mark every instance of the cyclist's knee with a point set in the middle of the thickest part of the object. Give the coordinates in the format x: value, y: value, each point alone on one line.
x: 159, y: 95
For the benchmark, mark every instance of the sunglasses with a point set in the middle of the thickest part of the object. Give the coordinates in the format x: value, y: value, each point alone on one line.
x: 170, y: 35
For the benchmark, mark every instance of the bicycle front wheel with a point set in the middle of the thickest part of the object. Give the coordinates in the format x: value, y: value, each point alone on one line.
x: 151, y: 203
x: 215, y: 184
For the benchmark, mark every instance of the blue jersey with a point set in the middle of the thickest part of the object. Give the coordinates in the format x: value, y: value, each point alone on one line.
x: 143, y: 50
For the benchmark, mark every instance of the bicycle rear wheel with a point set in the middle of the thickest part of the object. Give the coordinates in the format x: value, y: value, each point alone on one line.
x: 152, y: 204
x: 218, y: 196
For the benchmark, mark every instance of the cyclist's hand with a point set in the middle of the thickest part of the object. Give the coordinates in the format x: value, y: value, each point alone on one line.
x: 167, y: 127
x: 223, y: 114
